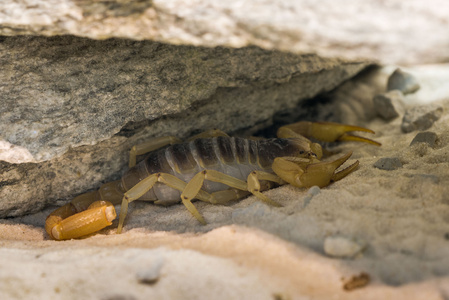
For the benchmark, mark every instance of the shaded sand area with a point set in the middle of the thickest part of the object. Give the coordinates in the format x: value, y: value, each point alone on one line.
x: 388, y: 231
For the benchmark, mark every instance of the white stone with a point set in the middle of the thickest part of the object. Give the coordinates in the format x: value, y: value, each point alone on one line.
x: 343, y: 247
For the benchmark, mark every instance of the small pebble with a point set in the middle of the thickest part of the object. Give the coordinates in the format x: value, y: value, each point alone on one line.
x: 389, y: 105
x: 343, y: 247
x: 420, y: 117
x: 427, y: 137
x: 357, y: 281
x: 151, y: 274
x: 403, y: 81
x: 312, y: 192
x: 388, y: 163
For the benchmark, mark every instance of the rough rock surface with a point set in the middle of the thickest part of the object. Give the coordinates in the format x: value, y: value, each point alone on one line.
x: 402, y: 81
x: 426, y: 137
x: 389, y: 105
x: 388, y: 163
x: 65, y: 92
x: 73, y: 107
x: 420, y: 117
x: 394, y: 31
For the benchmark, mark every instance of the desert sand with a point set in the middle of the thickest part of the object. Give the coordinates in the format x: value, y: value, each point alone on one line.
x: 393, y: 224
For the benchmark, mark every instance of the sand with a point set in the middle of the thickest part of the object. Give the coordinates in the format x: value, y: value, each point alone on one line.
x: 248, y: 250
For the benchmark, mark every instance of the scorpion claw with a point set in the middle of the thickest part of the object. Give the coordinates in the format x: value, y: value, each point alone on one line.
x: 354, y: 138
x: 320, y: 173
x: 325, y: 131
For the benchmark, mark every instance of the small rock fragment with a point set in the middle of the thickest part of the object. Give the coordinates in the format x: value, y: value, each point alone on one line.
x: 150, y: 275
x: 388, y: 163
x: 312, y: 192
x: 403, y: 81
x: 343, y: 247
x: 357, y: 281
x: 389, y: 105
x: 420, y: 117
x: 427, y: 137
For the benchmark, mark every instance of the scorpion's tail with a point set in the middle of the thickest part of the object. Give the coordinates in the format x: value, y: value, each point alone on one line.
x: 85, y: 214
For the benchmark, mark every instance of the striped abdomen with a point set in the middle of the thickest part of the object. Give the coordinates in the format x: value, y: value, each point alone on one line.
x: 236, y: 157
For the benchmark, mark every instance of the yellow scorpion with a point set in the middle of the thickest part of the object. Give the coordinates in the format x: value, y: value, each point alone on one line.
x: 210, y: 167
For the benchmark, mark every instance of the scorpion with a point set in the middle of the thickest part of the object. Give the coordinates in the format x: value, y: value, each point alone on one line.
x: 210, y: 167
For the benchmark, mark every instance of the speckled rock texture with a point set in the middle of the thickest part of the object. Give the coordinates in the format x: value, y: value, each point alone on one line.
x: 394, y: 31
x: 73, y: 107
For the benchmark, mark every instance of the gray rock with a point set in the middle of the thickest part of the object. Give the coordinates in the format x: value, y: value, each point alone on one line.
x: 312, y: 192
x: 150, y: 274
x: 389, y: 105
x: 297, y: 26
x: 72, y: 107
x: 388, y: 163
x: 420, y: 117
x: 402, y: 81
x: 426, y: 137
x: 73, y: 91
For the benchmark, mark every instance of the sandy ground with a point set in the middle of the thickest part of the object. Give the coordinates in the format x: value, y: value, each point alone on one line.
x: 400, y: 219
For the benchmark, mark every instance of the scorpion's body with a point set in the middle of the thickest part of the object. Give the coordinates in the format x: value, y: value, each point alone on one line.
x: 212, y: 167
x: 236, y: 157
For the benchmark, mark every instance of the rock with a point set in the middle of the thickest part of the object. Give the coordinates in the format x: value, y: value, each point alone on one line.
x: 74, y: 91
x: 342, y: 247
x: 420, y: 117
x: 290, y: 25
x: 72, y: 107
x: 150, y: 274
x: 402, y: 81
x: 312, y: 192
x: 388, y: 163
x: 426, y: 137
x: 389, y: 105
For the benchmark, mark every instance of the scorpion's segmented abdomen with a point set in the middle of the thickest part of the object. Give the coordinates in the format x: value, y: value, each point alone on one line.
x: 269, y: 149
x: 236, y: 157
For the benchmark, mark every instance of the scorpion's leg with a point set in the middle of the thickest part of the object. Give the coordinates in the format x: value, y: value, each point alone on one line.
x: 145, y: 185
x: 255, y: 188
x: 301, y: 174
x: 195, y: 184
x: 85, y: 214
x: 324, y: 131
x: 225, y: 196
x: 149, y: 146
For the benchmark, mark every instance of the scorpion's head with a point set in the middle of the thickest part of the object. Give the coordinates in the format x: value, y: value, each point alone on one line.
x: 316, y: 150
x: 307, y: 149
